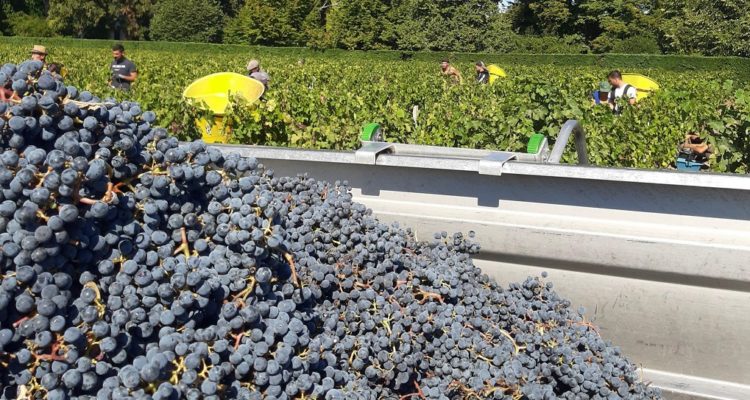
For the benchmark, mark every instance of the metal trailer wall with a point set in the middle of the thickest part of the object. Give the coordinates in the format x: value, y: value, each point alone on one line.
x: 659, y: 259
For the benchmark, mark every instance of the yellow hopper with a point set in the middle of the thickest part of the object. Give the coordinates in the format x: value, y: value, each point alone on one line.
x: 214, y: 93
x: 643, y: 84
x: 495, y: 72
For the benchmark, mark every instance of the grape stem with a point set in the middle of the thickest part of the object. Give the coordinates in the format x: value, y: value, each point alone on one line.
x: 112, y: 191
x: 290, y: 260
x: 238, y: 339
x: 428, y: 295
x: 395, y: 302
x: 109, y: 195
x: 101, y: 308
x: 5, y: 361
x: 516, y: 347
x: 20, y: 321
x: 52, y: 356
x: 588, y: 325
x: 468, y: 393
x: 418, y: 393
x: 41, y: 215
x: 44, y: 177
x: 185, y: 246
x: 23, y: 393
x: 86, y: 201
x: 179, y: 368
x: 242, y: 296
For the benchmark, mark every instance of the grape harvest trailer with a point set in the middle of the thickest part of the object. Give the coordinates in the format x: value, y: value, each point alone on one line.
x: 659, y: 259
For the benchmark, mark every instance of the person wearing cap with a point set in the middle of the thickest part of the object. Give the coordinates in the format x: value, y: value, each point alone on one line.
x: 39, y: 53
x: 450, y: 71
x: 620, y: 90
x: 254, y: 71
x: 483, y: 74
x: 600, y: 97
x: 124, y: 71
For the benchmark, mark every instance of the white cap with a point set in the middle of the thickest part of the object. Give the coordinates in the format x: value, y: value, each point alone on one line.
x: 252, y: 65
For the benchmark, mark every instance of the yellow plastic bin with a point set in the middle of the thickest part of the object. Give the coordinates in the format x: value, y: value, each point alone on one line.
x: 495, y: 73
x: 644, y: 85
x: 214, y: 93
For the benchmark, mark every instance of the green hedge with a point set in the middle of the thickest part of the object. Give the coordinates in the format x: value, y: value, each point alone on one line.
x: 737, y: 67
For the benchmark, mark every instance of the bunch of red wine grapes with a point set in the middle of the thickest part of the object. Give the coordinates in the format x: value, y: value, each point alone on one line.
x: 133, y: 266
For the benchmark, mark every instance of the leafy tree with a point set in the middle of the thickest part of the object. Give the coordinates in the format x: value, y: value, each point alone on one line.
x: 678, y: 26
x: 470, y: 23
x: 413, y: 24
x: 641, y: 44
x: 256, y: 23
x: 187, y: 21
x: 268, y: 22
x: 358, y: 24
x: 409, y: 21
x: 608, y: 25
x: 76, y: 18
x: 230, y: 8
x: 127, y: 19
x: 22, y: 24
x: 297, y: 12
x: 30, y: 7
x: 543, y: 17
x: 4, y: 11
x: 501, y: 38
x: 313, y: 25
x: 602, y: 24
x: 20, y: 11
x: 706, y: 27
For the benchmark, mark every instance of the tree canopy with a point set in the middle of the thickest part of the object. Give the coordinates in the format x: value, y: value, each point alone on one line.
x: 187, y: 21
x: 627, y: 26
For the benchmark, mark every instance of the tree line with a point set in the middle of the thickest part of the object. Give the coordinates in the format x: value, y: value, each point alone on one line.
x: 705, y: 27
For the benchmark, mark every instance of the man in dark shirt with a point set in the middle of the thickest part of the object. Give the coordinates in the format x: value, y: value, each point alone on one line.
x: 123, y: 70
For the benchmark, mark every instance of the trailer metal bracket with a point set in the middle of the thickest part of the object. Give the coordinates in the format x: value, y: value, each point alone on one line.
x: 493, y: 163
x: 368, y: 153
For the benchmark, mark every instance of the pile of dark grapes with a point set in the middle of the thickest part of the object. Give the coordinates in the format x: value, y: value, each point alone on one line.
x: 133, y: 266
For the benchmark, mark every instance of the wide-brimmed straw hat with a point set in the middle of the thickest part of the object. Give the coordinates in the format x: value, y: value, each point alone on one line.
x: 39, y: 50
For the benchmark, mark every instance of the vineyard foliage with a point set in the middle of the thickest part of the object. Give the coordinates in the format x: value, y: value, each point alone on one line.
x: 322, y: 99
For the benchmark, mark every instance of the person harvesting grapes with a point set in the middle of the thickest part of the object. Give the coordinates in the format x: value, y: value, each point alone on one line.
x: 254, y: 71
x: 483, y: 74
x: 620, y: 89
x: 450, y: 71
x: 7, y: 94
x: 39, y: 53
x: 56, y: 70
x: 601, y: 96
x: 124, y: 71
